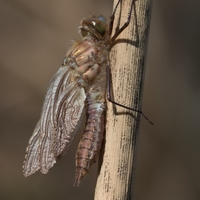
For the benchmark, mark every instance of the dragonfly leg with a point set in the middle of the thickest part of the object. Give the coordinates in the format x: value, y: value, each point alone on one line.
x: 108, y: 88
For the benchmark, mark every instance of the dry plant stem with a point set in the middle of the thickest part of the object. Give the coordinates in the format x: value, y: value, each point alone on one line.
x: 127, y: 65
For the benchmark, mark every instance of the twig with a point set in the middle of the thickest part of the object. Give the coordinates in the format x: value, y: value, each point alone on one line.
x: 127, y: 66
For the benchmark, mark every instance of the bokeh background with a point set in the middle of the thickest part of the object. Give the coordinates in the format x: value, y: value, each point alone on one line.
x: 34, y: 37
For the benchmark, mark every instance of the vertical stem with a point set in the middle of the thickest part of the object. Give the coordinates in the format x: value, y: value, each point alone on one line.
x: 127, y: 60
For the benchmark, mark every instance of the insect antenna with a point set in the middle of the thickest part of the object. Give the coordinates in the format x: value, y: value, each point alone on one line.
x: 91, y: 14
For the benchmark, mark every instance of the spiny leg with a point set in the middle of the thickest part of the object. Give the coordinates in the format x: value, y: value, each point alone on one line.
x: 112, y: 18
x: 118, y: 32
x: 108, y: 85
x: 108, y: 71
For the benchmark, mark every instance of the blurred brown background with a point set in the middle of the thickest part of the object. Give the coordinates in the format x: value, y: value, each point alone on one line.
x: 34, y: 37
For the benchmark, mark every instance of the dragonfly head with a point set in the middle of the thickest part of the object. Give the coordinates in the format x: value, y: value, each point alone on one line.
x: 94, y: 26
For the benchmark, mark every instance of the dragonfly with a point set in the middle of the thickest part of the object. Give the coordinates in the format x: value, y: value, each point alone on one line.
x: 80, y: 85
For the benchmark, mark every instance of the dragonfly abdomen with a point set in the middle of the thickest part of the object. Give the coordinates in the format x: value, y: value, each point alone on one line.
x: 90, y: 143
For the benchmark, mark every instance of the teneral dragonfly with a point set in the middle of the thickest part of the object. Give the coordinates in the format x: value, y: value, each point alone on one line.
x: 79, y: 84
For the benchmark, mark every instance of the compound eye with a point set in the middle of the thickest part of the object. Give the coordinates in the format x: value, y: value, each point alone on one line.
x: 99, y: 27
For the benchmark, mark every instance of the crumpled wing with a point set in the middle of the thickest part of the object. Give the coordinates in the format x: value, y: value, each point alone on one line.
x: 61, y: 115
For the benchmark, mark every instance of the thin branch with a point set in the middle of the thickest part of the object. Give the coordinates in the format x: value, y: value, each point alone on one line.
x: 127, y: 66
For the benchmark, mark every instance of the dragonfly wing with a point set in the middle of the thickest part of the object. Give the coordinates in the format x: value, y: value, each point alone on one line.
x: 31, y: 163
x: 61, y: 114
